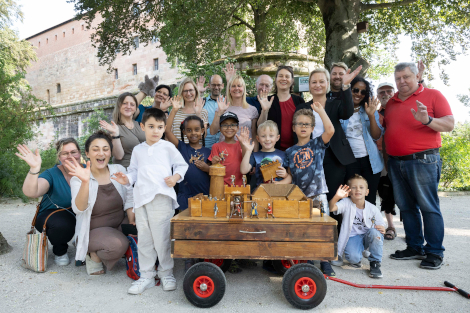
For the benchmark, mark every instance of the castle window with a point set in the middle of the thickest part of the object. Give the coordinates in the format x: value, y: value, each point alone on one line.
x: 116, y: 74
x: 58, y: 88
x: 136, y: 42
x: 73, y: 31
x: 155, y: 64
x: 134, y: 66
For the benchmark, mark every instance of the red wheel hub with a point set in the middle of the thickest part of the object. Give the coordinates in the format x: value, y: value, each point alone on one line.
x: 287, y: 264
x: 305, y: 288
x: 203, y: 286
x: 218, y: 262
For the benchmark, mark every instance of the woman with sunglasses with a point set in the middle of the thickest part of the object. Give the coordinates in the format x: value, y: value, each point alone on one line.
x: 54, y: 186
x: 362, y: 130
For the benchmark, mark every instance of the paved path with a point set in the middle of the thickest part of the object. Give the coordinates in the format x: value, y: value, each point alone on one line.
x: 70, y: 289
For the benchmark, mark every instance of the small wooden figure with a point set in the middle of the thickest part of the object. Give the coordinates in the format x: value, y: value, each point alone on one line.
x: 222, y: 155
x: 269, y: 210
x: 244, y: 180
x: 232, y: 178
x: 254, y: 210
x: 216, y: 210
x: 236, y: 207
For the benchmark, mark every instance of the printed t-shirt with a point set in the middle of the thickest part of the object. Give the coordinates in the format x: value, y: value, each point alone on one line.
x: 195, y: 180
x: 404, y: 135
x: 261, y: 158
x: 306, y: 166
x: 233, y: 159
x: 59, y: 191
x: 358, y: 226
x: 180, y: 117
x: 354, y: 136
x: 287, y: 111
x: 245, y: 117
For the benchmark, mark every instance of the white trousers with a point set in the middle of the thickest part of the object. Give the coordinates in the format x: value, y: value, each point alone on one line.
x: 153, y: 229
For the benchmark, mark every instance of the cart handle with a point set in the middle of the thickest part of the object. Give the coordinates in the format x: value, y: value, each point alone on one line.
x: 253, y: 232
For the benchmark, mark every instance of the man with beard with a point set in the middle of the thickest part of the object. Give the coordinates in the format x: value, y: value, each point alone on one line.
x: 216, y: 85
x: 338, y: 70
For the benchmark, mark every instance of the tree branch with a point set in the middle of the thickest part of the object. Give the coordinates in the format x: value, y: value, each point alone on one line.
x: 378, y: 6
x: 243, y: 22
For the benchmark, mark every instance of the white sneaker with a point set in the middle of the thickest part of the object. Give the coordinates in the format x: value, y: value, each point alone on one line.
x: 366, y: 253
x: 169, y: 283
x: 140, y: 285
x: 62, y: 260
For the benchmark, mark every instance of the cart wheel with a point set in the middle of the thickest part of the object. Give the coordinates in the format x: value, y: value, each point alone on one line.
x: 204, y: 285
x: 304, y: 286
x: 222, y: 263
x: 281, y: 266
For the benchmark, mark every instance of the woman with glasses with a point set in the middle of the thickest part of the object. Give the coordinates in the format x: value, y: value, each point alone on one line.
x: 362, y: 130
x: 235, y: 102
x: 192, y: 105
x: 54, y: 186
x: 125, y: 131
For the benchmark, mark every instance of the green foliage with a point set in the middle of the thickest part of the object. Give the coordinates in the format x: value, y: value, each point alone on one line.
x: 92, y: 124
x: 455, y: 154
x: 9, y: 11
x: 465, y: 99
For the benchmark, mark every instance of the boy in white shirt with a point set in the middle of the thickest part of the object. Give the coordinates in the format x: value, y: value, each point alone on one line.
x: 363, y: 226
x: 150, y: 169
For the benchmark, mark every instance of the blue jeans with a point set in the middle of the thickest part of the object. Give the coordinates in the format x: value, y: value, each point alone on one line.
x: 372, y: 239
x: 415, y: 185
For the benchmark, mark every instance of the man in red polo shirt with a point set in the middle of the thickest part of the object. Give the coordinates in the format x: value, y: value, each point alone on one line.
x: 413, y: 121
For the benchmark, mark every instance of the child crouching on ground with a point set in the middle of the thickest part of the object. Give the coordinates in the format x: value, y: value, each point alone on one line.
x: 150, y: 169
x: 363, y: 226
x: 304, y: 161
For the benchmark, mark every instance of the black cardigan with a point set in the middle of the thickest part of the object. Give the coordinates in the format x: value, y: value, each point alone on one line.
x: 275, y: 113
x: 336, y: 109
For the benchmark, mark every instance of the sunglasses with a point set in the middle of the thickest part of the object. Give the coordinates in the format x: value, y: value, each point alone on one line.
x: 362, y: 92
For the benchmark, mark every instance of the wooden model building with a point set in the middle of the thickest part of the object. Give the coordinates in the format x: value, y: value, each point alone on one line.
x: 269, y: 170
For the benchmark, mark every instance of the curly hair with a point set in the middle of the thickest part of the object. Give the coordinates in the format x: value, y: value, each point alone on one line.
x: 192, y: 118
x: 369, y: 87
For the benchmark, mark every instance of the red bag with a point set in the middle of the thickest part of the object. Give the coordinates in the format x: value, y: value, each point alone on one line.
x: 132, y: 259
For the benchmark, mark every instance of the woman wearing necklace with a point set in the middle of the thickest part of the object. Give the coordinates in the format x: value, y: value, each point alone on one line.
x: 54, y: 186
x: 125, y: 131
x: 362, y: 130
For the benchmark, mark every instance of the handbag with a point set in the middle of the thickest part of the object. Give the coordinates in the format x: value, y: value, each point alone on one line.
x: 36, y: 249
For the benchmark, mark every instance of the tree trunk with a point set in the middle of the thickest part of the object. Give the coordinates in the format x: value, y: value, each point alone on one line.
x: 259, y: 29
x: 342, y: 43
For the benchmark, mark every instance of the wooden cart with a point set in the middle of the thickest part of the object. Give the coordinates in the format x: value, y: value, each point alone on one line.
x: 218, y: 236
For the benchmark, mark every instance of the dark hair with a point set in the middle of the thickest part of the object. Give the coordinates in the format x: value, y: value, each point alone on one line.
x: 164, y: 86
x: 100, y: 134
x: 291, y: 71
x: 369, y: 94
x: 156, y: 113
x: 357, y: 176
x: 192, y: 118
x: 64, y: 141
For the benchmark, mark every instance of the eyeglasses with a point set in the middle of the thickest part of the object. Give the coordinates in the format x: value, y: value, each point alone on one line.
x: 66, y: 154
x: 216, y: 85
x: 226, y: 126
x: 303, y: 125
x: 357, y: 90
x: 189, y: 91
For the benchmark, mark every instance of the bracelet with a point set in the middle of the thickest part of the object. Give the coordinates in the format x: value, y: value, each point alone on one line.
x: 34, y: 173
x: 116, y: 137
x: 429, y: 122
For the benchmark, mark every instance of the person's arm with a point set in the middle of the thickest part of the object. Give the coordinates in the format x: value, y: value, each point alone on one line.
x: 346, y: 108
x: 140, y: 97
x: 328, y: 126
x: 421, y: 68
x: 439, y: 124
x: 177, y: 104
x: 223, y: 106
x: 254, y: 130
x: 247, y: 148
x: 342, y: 192
x: 371, y: 111
x: 229, y: 71
x: 265, y: 106
x: 113, y: 129
x: 33, y: 186
x: 80, y: 196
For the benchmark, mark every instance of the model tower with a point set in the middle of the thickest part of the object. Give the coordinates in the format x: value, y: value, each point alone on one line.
x: 217, y: 174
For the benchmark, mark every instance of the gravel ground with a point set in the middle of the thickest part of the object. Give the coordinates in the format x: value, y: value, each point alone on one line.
x: 70, y: 289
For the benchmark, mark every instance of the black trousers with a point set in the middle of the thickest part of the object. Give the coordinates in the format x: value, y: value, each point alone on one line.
x: 362, y: 167
x: 60, y: 229
x: 335, y: 172
x: 385, y: 190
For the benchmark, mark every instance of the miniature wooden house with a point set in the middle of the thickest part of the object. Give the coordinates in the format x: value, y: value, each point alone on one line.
x: 269, y: 170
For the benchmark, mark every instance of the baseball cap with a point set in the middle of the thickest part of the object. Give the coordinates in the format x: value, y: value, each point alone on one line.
x: 385, y: 85
x: 228, y: 115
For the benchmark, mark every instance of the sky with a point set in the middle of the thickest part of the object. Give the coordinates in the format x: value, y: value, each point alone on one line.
x: 38, y: 17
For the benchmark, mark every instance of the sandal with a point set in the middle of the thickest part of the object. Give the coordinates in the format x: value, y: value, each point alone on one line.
x: 390, y: 233
x: 92, y: 267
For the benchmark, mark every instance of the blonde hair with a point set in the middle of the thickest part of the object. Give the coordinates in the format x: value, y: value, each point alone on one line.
x: 324, y: 71
x: 357, y: 177
x: 339, y: 64
x: 229, y: 85
x: 117, y: 107
x: 185, y: 81
x: 304, y: 112
x: 268, y: 124
x: 59, y: 145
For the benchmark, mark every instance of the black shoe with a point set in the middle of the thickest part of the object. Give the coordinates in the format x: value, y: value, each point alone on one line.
x: 431, y: 262
x: 327, y: 269
x: 188, y: 263
x: 408, y: 254
x: 375, y: 270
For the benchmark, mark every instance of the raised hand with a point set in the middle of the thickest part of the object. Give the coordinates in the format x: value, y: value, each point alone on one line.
x: 263, y: 100
x: 317, y: 107
x: 149, y: 85
x: 348, y: 77
x: 421, y: 69
x: 229, y: 71
x: 281, y: 172
x: 422, y: 114
x: 112, y: 128
x: 32, y: 159
x: 222, y: 104
x: 200, y: 84
x: 371, y: 106
x: 177, y: 102
x: 199, y: 105
x: 165, y: 105
x: 245, y: 140
x: 170, y: 181
x: 75, y: 169
x: 343, y: 191
x: 121, y: 178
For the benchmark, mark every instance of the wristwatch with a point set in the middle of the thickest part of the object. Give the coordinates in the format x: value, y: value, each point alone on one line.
x: 116, y: 137
x: 429, y: 122
x: 346, y: 87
